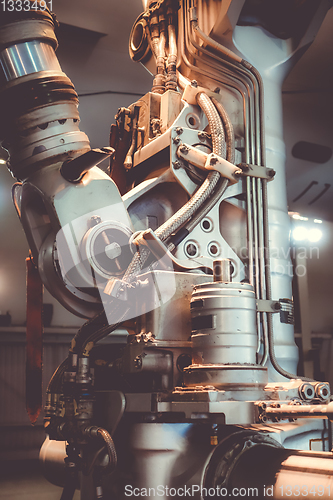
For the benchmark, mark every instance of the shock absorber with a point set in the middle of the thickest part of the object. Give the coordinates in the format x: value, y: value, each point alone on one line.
x: 40, y: 120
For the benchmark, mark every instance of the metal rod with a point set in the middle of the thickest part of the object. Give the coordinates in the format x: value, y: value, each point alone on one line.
x: 300, y: 411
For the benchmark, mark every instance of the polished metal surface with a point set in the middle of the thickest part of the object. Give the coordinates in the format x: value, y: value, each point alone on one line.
x: 29, y: 57
x: 224, y: 323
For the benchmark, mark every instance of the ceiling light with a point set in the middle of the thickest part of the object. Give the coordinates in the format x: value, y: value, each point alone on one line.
x: 314, y: 235
x: 300, y: 233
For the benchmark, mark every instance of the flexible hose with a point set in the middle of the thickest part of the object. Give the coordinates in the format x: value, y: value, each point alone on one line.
x: 102, y: 434
x: 86, y: 330
x: 200, y: 196
x: 56, y: 379
x: 229, y: 130
x: 223, y: 183
x: 253, y: 71
x: 209, y: 184
x: 68, y: 491
x: 112, y: 454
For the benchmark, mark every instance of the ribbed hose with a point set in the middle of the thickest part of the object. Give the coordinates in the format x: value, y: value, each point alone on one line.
x: 99, y: 432
x: 209, y: 184
x: 228, y: 129
x: 230, y: 156
x: 112, y: 454
x: 200, y: 196
x: 189, y: 210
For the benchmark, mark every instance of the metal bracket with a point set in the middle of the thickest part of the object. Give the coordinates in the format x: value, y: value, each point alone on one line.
x: 268, y: 306
x: 246, y: 169
x: 206, y: 161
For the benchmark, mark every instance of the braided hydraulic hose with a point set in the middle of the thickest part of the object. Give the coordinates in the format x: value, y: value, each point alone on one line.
x: 200, y: 196
x: 102, y: 434
x: 209, y: 184
x: 228, y: 129
x: 188, y: 211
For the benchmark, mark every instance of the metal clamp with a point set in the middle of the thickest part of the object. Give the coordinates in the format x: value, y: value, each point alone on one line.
x: 246, y: 169
x: 206, y: 161
x: 268, y: 306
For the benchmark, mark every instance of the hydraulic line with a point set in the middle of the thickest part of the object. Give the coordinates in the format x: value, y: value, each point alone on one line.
x: 157, y: 43
x: 102, y: 434
x: 201, y: 195
x: 68, y: 491
x: 223, y: 183
x: 229, y: 130
x: 177, y: 220
x: 205, y: 190
x: 171, y: 80
x: 56, y: 379
x: 244, y: 67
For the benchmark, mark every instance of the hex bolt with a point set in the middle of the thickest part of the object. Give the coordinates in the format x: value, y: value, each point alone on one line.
x: 323, y: 391
x: 176, y: 140
x: 176, y: 164
x: 306, y: 391
x: 184, y: 149
x: 179, y: 130
x: 213, y: 160
x: 194, y: 83
x: 202, y: 135
x: 94, y: 220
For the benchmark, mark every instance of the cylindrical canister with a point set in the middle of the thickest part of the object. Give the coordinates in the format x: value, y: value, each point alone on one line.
x: 224, y: 323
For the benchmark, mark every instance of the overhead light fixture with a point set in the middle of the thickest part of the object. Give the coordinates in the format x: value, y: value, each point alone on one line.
x: 300, y: 233
x: 297, y: 216
x: 314, y: 235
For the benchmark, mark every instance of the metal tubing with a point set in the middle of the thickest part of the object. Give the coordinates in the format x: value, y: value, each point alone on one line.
x: 247, y: 70
x: 301, y: 411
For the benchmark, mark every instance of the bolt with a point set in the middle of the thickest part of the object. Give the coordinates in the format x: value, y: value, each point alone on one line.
x: 323, y: 391
x: 94, y: 220
x: 184, y: 149
x: 217, y: 90
x: 202, y: 135
x: 176, y: 164
x: 176, y: 140
x: 138, y: 362
x: 306, y: 391
x: 113, y: 250
x: 277, y: 306
x: 194, y: 83
x: 179, y: 130
x: 271, y: 172
x: 213, y: 160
